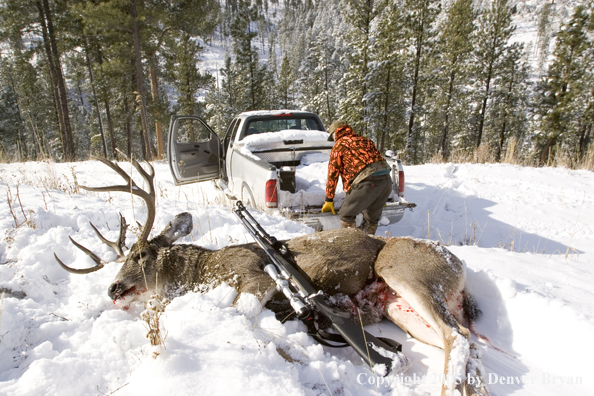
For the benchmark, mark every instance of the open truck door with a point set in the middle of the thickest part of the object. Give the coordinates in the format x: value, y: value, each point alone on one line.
x: 194, y: 150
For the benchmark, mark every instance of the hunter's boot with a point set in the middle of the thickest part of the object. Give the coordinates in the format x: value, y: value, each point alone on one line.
x: 371, y: 229
x: 348, y: 224
x: 368, y: 228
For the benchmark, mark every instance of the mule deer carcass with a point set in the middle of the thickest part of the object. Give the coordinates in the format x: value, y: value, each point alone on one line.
x: 417, y: 284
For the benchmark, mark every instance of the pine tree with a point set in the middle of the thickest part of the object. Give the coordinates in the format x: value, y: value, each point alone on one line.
x: 568, y: 108
x: 250, y: 75
x: 510, y: 101
x: 319, y: 78
x: 453, y: 71
x: 286, y: 85
x: 11, y: 125
x: 543, y: 42
x: 360, y: 17
x: 187, y: 77
x: 387, y: 95
x: 40, y: 18
x: 223, y: 102
x: 420, y: 28
x: 29, y: 82
x: 494, y: 32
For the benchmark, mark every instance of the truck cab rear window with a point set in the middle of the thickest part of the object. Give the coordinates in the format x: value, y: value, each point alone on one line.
x: 280, y: 124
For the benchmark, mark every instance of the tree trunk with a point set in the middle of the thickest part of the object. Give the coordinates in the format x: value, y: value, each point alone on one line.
x: 155, y: 96
x: 504, y: 126
x: 584, y: 140
x: 545, y: 157
x: 411, y: 151
x: 446, y: 122
x: 486, y: 98
x: 139, y: 75
x: 382, y: 139
x: 105, y: 95
x: 95, y: 100
x: 23, y: 142
x: 501, y: 140
x: 110, y: 128
x: 62, y: 102
x: 128, y: 127
x: 58, y: 84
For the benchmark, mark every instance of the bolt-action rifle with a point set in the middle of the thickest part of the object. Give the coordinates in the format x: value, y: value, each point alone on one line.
x: 310, y: 303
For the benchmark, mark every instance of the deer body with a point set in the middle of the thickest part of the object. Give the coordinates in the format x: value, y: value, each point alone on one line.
x: 417, y: 284
x: 421, y: 285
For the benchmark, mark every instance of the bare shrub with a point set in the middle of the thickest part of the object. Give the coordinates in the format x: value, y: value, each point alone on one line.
x: 484, y: 154
x: 154, y: 308
x: 511, y: 155
x: 587, y: 161
x: 12, y: 204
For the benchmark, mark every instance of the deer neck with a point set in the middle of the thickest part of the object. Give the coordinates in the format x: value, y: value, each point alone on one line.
x: 183, y: 265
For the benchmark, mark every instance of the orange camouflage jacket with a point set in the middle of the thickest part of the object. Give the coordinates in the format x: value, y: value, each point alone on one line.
x: 350, y: 154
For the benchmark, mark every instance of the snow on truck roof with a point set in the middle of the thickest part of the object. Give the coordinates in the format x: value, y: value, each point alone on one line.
x: 273, y: 113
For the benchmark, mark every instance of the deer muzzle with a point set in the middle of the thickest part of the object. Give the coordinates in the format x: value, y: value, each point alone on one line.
x: 118, y: 291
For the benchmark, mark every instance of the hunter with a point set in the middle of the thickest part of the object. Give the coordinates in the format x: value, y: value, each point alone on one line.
x: 365, y: 178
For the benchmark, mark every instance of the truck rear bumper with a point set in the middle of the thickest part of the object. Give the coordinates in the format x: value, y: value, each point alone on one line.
x: 314, y: 218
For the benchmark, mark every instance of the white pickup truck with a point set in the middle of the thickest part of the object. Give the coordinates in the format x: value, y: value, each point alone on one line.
x: 271, y: 160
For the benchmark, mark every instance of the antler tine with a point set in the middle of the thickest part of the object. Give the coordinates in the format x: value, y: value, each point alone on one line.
x: 131, y: 187
x: 117, y: 246
x: 149, y: 177
x: 85, y: 270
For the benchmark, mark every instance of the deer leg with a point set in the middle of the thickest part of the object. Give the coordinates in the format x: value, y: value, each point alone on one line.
x: 456, y: 352
x: 475, y: 381
x: 399, y: 311
x: 428, y: 319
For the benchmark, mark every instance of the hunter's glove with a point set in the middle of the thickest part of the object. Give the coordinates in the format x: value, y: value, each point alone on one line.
x: 328, y: 207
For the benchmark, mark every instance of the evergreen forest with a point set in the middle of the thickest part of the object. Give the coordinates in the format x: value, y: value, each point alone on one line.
x: 433, y: 80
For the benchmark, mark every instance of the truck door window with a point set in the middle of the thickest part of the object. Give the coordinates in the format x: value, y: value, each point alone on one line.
x: 230, y: 134
x: 192, y: 131
x: 235, y: 128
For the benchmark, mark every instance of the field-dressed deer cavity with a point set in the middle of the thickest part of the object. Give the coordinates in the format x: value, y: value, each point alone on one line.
x: 418, y: 284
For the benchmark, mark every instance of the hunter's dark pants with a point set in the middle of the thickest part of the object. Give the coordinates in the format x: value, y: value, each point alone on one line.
x: 368, y: 197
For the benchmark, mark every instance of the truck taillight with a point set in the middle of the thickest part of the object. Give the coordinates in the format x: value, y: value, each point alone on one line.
x: 270, y: 197
x: 401, y: 183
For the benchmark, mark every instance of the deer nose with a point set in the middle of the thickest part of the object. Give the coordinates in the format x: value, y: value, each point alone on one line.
x: 114, y: 291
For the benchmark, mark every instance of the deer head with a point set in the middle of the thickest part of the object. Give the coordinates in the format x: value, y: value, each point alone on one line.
x: 142, y: 268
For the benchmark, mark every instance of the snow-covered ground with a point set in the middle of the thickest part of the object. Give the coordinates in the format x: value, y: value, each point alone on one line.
x: 525, y: 234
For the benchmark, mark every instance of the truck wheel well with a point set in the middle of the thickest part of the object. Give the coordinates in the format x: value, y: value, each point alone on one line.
x: 246, y: 195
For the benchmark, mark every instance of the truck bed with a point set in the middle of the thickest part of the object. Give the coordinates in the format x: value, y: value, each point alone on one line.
x: 302, y: 162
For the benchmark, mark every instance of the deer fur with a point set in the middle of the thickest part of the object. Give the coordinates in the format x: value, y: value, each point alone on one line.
x: 418, y: 284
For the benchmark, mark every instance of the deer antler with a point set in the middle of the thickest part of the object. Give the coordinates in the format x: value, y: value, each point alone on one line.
x: 118, y: 245
x: 130, y: 187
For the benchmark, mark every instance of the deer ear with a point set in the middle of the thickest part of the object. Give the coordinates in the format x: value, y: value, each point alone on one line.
x: 179, y: 227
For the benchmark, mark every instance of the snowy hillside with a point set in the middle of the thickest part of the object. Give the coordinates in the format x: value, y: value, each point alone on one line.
x: 525, y: 234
